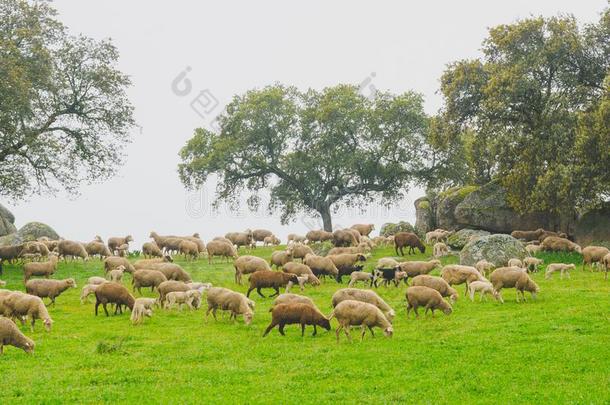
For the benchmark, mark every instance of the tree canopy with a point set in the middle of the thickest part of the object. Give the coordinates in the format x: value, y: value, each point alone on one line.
x: 532, y: 112
x: 64, y: 113
x: 312, y: 150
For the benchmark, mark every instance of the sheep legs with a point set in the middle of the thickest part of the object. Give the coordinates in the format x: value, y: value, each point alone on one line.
x: 271, y: 326
x: 277, y: 292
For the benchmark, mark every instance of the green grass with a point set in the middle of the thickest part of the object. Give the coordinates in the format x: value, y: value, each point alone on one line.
x: 553, y: 350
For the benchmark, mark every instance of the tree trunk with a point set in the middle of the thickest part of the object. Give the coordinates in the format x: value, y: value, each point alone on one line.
x: 326, y: 219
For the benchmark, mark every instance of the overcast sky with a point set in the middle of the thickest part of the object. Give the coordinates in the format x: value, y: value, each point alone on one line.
x: 229, y: 47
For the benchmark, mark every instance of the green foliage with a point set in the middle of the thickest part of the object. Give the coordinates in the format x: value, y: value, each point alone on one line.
x: 64, y: 112
x: 313, y: 150
x: 533, y: 113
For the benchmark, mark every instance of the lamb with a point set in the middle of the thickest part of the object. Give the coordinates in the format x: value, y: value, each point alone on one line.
x: 247, y: 265
x: 147, y: 278
x: 364, y: 229
x: 188, y: 249
x: 68, y: 248
x: 225, y: 299
x: 343, y: 237
x: 440, y: 249
x: 142, y: 307
x: 513, y: 277
x: 49, y: 288
x: 116, y: 274
x: 12, y: 336
x: 220, y: 248
x: 96, y: 280
x: 259, y: 235
x: 201, y: 287
x: 531, y: 263
x: 515, y: 263
x: 271, y: 241
x: 288, y: 298
x: 172, y: 271
x: 533, y: 249
x: 96, y: 248
x: 436, y: 236
x: 561, y: 267
x: 484, y: 287
x: 115, y: 242
x: 388, y: 275
x: 295, y: 312
x: 145, y: 263
x: 21, y: 306
x: 386, y: 262
x: 457, y: 274
x: 438, y: 284
x: 113, y: 293
x: 416, y: 268
x: 187, y: 298
x: 151, y: 249
x: 299, y: 251
x: 360, y: 276
x: 527, y: 235
x: 593, y: 254
x: 357, y: 313
x: 368, y: 296
x: 87, y: 290
x: 557, y: 244
x: 294, y: 238
x: 271, y: 279
x: 280, y: 258
x: 606, y: 265
x: 113, y: 262
x: 321, y: 266
x: 318, y: 236
x: 347, y: 271
x: 402, y: 239
x: 168, y: 286
x: 123, y: 250
x: 426, y: 297
x: 299, y: 269
x: 484, y: 267
x: 44, y: 269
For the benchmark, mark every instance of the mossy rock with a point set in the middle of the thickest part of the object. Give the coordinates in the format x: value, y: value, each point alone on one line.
x: 459, y: 239
x: 34, y: 230
x: 7, y: 221
x: 447, y: 202
x: 389, y: 228
x: 593, y: 227
x: 10, y: 239
x: 497, y: 249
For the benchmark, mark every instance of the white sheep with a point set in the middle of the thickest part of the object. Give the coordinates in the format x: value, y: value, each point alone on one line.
x: 360, y: 276
x: 484, y: 287
x: 142, y: 307
x: 180, y: 298
x: 561, y: 267
x: 116, y: 275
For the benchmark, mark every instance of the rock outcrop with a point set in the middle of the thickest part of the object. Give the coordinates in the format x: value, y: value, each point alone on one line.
x: 497, y: 249
x: 460, y: 238
x: 7, y: 221
x: 390, y: 228
x: 35, y: 230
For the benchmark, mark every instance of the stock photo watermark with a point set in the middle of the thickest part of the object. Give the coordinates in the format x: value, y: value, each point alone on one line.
x: 203, y: 104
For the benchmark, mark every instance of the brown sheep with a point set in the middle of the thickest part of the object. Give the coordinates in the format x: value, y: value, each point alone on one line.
x: 44, y: 269
x: 147, y: 278
x: 279, y: 258
x: 151, y: 249
x: 436, y: 283
x: 318, y: 236
x: 303, y: 314
x: 402, y: 239
x: 556, y: 244
x: 69, y: 248
x: 513, y: 277
x: 115, y: 242
x: 545, y: 234
x: 364, y: 229
x: 271, y: 279
x: 11, y: 335
x: 344, y: 237
x: 593, y: 254
x: 49, y: 288
x: 96, y: 248
x: 172, y: 271
x: 220, y: 248
x: 247, y: 265
x: 421, y: 296
x: 113, y: 293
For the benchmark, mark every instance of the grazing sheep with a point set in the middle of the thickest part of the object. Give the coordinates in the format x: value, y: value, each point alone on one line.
x: 69, y: 248
x: 247, y: 265
x: 96, y: 280
x: 288, y: 298
x: 113, y: 262
x: 357, y: 313
x: 484, y: 287
x: 300, y: 269
x: 438, y: 284
x: 546, y: 234
x: 87, y: 290
x: 123, y: 250
x: 415, y: 268
x: 533, y: 249
x: 142, y: 307
x: 182, y: 298
x: 527, y: 235
x: 49, y: 288
x: 345, y: 262
x: 343, y: 237
x: 561, y: 267
x: 168, y: 286
x: 515, y: 263
x: 147, y: 278
x: 513, y: 277
x: 115, y: 242
x: 228, y: 300
x: 271, y: 279
x: 531, y: 263
x: 388, y: 275
x: 296, y: 312
x: 364, y: 229
x: 188, y: 249
x: 321, y: 266
x: 294, y: 238
x: 593, y: 254
x: 422, y: 296
x: 172, y: 271
x: 44, y: 269
x: 360, y: 276
x: 116, y: 275
x: 368, y: 296
x: 21, y: 306
x: 10, y: 254
x: 271, y: 241
x: 347, y: 271
x: 484, y: 267
x: 11, y: 335
x: 350, y: 249
x: 220, y: 248
x: 386, y: 262
x: 151, y: 249
x: 455, y: 274
x: 37, y: 248
x: 240, y: 238
x: 402, y: 239
x: 113, y: 293
x: 259, y: 235
x: 318, y: 236
x: 145, y: 263
x: 97, y: 248
x: 606, y: 265
x: 440, y: 249
x: 557, y: 244
x: 280, y: 258
x: 299, y: 251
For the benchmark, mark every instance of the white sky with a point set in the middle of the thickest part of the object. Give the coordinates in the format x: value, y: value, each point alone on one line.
x: 233, y: 46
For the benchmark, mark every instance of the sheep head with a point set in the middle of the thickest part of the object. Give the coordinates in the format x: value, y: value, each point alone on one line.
x: 389, y: 331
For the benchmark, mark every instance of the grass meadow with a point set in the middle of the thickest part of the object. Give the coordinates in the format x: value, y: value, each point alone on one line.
x: 552, y: 350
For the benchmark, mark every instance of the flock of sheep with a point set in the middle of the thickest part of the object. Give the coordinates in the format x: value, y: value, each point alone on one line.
x: 300, y: 265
